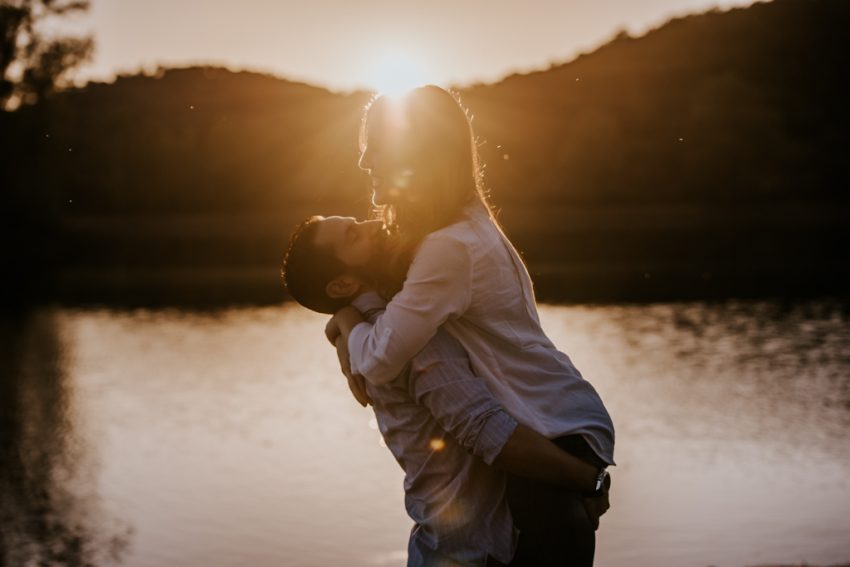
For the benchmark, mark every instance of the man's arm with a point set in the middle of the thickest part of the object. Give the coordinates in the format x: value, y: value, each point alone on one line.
x: 442, y: 380
x: 529, y: 454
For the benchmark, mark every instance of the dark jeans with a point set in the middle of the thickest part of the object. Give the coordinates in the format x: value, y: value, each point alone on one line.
x: 554, y: 527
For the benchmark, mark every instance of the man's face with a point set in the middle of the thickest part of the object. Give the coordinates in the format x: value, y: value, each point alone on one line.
x: 357, y: 244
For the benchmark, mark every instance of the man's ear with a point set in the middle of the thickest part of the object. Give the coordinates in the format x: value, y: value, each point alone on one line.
x: 345, y: 285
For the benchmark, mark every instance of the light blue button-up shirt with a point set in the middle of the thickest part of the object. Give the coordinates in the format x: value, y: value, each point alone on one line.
x: 444, y: 427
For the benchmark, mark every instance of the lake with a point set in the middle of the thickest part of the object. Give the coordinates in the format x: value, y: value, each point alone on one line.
x: 146, y: 438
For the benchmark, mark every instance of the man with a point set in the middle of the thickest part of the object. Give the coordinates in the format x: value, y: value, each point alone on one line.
x: 438, y: 419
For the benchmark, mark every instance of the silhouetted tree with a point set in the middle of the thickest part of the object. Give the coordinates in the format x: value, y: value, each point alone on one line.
x: 32, y: 63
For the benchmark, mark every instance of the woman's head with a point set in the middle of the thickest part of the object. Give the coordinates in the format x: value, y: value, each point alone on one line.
x: 421, y: 155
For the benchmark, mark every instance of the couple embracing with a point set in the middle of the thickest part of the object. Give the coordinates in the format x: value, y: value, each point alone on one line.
x: 503, y: 444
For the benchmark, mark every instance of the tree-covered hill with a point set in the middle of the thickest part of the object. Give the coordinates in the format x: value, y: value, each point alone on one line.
x: 197, y: 139
x: 737, y: 106
x: 712, y: 152
x: 742, y: 106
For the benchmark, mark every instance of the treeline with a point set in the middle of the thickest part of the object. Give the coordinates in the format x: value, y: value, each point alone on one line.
x: 742, y: 106
x: 720, y: 136
x: 745, y: 105
x: 187, y: 140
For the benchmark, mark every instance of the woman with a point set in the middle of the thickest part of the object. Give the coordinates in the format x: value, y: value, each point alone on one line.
x: 461, y: 272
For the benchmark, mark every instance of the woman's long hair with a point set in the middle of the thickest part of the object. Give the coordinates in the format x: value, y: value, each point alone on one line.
x: 434, y: 132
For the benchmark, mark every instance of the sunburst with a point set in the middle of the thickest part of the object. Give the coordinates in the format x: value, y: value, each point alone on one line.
x: 395, y: 72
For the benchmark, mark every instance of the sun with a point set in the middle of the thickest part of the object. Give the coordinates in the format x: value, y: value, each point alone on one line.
x: 395, y: 72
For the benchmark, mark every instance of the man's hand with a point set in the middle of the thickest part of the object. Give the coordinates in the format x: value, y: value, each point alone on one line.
x: 598, y: 505
x: 356, y: 382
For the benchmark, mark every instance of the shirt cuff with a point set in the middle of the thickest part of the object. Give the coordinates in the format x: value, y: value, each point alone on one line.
x: 356, y: 339
x: 492, y: 438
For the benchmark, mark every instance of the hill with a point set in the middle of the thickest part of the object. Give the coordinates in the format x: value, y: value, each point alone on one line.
x: 706, y: 158
x: 741, y: 106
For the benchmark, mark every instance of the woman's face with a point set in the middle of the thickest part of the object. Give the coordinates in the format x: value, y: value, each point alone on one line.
x: 386, y: 159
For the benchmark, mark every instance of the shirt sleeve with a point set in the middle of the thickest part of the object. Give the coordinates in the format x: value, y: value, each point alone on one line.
x: 437, y: 288
x: 441, y: 379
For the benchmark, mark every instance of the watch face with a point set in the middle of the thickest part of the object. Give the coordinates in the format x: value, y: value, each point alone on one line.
x: 602, y: 480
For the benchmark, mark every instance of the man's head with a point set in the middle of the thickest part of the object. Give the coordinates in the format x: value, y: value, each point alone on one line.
x: 331, y: 260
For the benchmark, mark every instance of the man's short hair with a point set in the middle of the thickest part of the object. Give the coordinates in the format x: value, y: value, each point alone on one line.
x: 309, y: 268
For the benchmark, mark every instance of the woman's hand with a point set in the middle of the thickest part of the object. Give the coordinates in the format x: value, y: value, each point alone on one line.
x: 332, y: 331
x: 341, y: 324
x: 337, y: 331
x: 356, y: 382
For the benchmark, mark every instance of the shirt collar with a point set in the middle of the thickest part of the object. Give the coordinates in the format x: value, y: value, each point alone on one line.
x: 368, y: 301
x: 475, y: 208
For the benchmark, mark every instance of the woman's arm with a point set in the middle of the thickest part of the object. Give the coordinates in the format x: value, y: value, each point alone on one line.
x: 437, y: 288
x: 337, y: 331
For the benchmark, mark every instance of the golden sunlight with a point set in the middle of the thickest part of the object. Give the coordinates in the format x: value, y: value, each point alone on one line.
x: 395, y: 72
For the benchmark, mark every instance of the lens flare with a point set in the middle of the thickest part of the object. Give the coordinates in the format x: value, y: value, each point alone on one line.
x: 395, y: 72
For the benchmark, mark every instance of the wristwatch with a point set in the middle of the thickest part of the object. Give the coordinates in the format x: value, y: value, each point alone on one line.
x: 602, y: 481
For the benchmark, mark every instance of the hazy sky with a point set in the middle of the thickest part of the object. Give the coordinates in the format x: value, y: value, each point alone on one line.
x: 345, y: 44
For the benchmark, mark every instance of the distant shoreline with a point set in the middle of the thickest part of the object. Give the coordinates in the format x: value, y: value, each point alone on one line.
x: 212, y: 287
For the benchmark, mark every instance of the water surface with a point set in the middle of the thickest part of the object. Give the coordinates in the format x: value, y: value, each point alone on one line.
x: 171, y: 437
